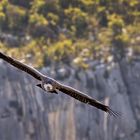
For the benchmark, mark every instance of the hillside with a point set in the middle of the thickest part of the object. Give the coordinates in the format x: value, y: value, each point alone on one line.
x: 91, y: 45
x: 69, y: 31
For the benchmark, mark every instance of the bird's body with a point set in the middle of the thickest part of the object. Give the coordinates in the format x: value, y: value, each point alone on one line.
x: 50, y: 85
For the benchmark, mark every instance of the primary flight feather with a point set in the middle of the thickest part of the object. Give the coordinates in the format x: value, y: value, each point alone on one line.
x: 52, y: 86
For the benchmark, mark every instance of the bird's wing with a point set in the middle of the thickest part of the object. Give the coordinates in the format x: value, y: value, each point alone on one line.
x: 85, y: 99
x: 36, y: 74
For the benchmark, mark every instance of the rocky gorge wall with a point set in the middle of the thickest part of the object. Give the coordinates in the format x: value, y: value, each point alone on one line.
x: 28, y: 113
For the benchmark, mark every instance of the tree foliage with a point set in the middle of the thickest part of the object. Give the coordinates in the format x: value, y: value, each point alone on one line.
x: 70, y: 31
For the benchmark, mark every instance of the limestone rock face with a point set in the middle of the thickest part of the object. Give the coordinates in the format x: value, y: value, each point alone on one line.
x: 28, y: 113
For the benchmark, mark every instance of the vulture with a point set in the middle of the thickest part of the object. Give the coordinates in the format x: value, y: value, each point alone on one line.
x: 52, y: 86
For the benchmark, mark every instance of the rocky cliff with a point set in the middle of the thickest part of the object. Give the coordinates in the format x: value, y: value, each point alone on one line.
x: 28, y: 113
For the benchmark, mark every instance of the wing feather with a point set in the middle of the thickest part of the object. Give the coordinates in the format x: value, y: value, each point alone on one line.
x: 86, y: 99
x: 36, y: 74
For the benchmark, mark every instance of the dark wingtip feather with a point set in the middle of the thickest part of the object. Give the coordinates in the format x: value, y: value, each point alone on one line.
x: 113, y: 113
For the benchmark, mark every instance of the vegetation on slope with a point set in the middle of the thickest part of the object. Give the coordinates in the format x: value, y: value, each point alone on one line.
x: 69, y: 31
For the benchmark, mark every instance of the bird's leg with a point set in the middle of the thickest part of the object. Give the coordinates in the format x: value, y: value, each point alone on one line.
x: 54, y: 91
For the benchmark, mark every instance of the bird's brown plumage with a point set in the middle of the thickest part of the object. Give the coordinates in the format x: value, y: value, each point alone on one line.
x: 86, y: 99
x: 36, y: 74
x: 58, y: 86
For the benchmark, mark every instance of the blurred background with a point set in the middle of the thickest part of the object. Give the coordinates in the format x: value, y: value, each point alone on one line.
x: 91, y: 45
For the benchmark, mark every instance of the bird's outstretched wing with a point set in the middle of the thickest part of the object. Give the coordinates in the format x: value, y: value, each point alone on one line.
x: 86, y: 99
x: 36, y: 74
x: 63, y: 88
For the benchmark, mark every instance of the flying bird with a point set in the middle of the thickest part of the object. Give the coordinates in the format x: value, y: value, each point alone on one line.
x: 52, y: 86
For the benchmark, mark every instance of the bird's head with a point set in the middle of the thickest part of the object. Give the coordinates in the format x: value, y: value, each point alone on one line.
x: 47, y: 87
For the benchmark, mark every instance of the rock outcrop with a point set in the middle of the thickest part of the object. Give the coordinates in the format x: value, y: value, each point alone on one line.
x: 28, y: 113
